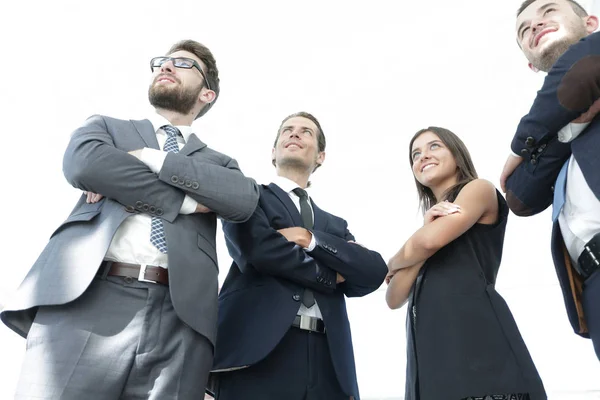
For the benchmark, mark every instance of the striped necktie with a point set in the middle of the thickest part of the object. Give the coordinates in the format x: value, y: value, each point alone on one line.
x: 157, y: 231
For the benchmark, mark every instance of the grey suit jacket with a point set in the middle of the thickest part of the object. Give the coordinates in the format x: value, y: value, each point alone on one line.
x: 96, y: 160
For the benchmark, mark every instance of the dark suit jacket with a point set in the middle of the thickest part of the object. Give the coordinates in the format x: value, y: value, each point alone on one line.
x: 571, y: 87
x: 96, y: 160
x: 262, y: 292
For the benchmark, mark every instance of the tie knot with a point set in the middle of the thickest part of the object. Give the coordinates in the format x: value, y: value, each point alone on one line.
x: 300, y: 193
x: 171, y: 131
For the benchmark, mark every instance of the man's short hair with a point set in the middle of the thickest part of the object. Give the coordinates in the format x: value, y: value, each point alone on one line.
x: 320, y: 137
x: 205, y: 55
x: 579, y: 10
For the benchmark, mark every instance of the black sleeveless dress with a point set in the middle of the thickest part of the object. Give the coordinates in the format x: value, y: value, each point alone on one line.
x: 462, y: 339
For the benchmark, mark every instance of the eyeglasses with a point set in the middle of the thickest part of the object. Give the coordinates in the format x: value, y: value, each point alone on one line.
x: 178, y: 62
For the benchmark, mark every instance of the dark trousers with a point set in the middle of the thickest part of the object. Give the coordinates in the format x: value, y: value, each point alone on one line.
x: 299, y: 368
x: 591, y: 308
x: 120, y: 340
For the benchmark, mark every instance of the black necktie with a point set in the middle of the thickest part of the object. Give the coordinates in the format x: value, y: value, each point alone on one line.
x: 308, y: 298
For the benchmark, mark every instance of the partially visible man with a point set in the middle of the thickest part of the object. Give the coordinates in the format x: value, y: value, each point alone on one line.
x: 558, y: 141
x: 283, y: 327
x: 122, y: 302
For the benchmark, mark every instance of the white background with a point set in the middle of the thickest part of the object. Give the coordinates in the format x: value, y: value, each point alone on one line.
x: 373, y: 72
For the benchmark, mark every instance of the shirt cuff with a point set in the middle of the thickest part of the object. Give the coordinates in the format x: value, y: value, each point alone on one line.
x: 188, y: 206
x: 571, y: 131
x: 153, y: 158
x: 313, y: 243
x: 515, y: 154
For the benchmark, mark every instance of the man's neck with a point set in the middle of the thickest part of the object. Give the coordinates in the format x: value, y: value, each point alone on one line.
x: 300, y: 177
x: 175, y: 118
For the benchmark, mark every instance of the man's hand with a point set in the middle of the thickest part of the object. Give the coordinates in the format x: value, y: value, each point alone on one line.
x: 509, y: 167
x: 202, y: 209
x: 137, y: 153
x: 298, y: 235
x: 589, y: 115
x: 440, y: 209
x: 92, y: 197
x: 339, y: 278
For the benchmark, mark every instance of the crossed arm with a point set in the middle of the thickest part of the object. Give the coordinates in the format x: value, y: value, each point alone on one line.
x: 334, y: 263
x: 93, y: 163
x: 570, y: 93
x: 477, y: 202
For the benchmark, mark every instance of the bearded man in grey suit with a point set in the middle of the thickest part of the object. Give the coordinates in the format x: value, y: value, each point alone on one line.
x: 122, y: 302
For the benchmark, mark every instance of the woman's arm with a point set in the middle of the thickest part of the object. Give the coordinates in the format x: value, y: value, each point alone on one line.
x: 399, y: 285
x: 477, y: 200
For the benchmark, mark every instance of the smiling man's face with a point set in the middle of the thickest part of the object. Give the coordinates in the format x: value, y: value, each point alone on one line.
x: 298, y: 145
x: 546, y: 29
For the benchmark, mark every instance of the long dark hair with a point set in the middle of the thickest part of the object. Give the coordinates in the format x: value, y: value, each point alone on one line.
x: 464, y: 167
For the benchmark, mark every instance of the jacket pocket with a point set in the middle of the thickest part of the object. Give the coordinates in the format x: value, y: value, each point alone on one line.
x: 85, y: 213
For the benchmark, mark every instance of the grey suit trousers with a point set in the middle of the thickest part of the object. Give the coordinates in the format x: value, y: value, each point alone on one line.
x: 120, y: 340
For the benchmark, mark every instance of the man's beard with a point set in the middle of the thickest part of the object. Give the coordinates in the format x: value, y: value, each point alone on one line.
x: 175, y: 99
x: 548, y: 57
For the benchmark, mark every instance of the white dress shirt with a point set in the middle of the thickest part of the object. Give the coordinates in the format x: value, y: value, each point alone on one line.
x: 131, y: 243
x: 288, y: 186
x: 579, y: 218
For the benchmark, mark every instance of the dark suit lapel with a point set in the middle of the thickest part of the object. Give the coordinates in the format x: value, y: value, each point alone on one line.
x: 320, y: 217
x: 147, y: 132
x: 193, y: 144
x: 287, y: 202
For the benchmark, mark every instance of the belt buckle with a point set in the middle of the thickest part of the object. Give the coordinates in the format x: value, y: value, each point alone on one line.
x: 142, y: 274
x: 306, y: 323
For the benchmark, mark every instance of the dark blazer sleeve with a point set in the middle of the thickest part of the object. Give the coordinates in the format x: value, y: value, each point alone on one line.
x: 530, y: 188
x: 255, y: 244
x: 93, y: 163
x: 363, y: 269
x: 570, y: 88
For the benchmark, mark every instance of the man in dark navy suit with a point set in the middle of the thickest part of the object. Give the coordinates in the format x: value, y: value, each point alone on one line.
x: 283, y: 328
x: 556, y: 150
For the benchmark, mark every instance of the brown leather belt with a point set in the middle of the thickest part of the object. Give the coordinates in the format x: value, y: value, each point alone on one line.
x: 143, y: 273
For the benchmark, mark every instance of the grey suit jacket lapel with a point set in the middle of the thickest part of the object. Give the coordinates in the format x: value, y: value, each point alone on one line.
x: 193, y: 144
x: 147, y: 132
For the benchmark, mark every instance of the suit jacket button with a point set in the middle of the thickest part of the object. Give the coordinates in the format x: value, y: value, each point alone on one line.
x: 159, y: 211
x: 296, y: 297
x: 181, y: 181
x: 533, y: 161
x: 530, y: 141
x: 524, y: 152
x: 145, y: 207
x: 139, y: 205
x: 174, y: 179
x: 328, y: 283
x: 319, y: 279
x: 130, y: 209
x: 195, y: 185
x: 188, y: 184
x: 152, y: 209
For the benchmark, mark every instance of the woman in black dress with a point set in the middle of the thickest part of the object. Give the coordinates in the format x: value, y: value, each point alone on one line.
x: 462, y: 340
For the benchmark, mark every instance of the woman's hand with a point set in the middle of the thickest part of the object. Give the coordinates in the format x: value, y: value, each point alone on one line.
x: 441, y: 209
x: 389, y: 276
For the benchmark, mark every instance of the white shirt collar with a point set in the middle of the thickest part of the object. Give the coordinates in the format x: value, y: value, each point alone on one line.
x: 286, y: 184
x: 158, y: 120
